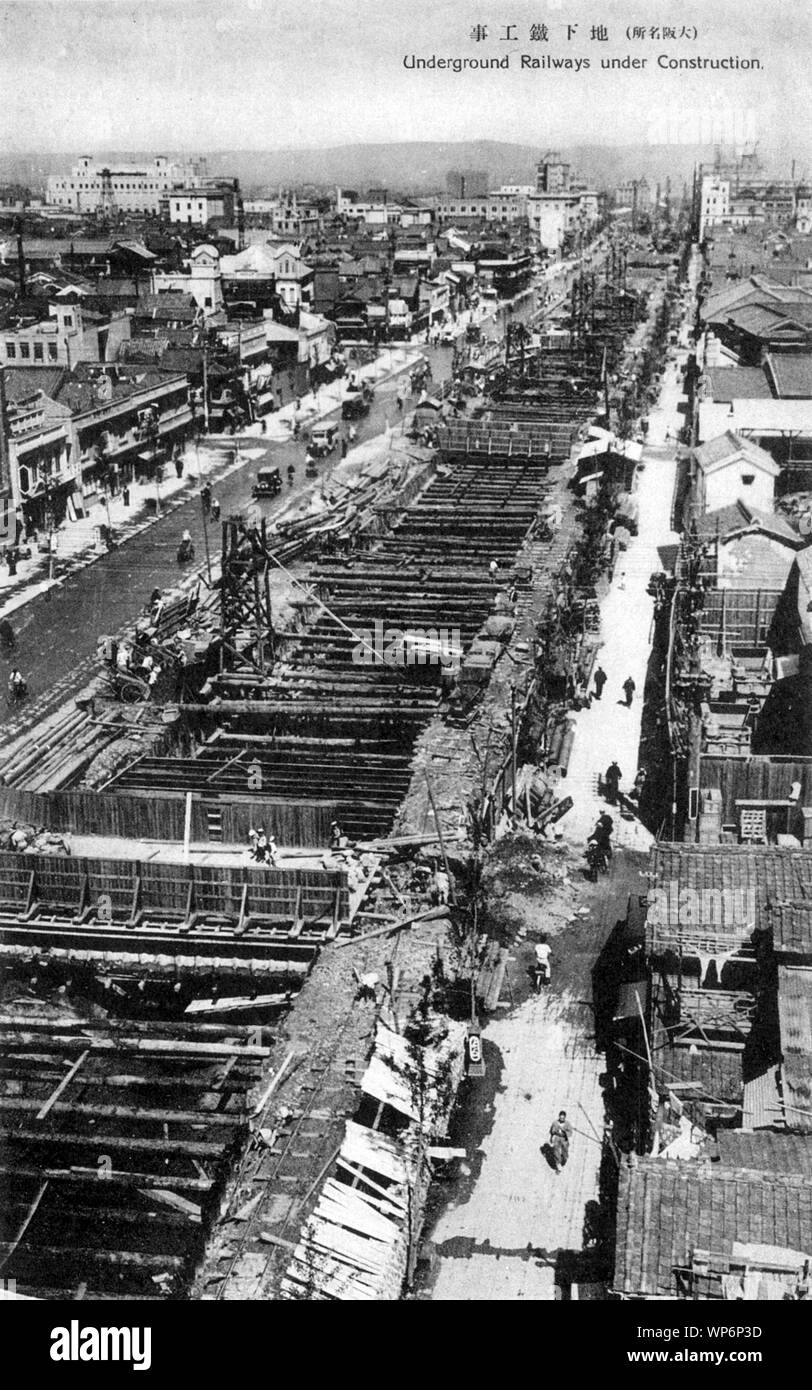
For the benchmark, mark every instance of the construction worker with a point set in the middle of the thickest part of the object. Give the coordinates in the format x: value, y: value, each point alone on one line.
x: 17, y: 687
x: 541, y: 964
x: 612, y: 783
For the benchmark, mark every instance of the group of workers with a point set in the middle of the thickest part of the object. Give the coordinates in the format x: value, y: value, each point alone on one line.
x: 262, y: 848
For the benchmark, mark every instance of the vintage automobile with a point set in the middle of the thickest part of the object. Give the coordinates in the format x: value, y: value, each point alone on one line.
x: 268, y: 483
x: 356, y: 403
x: 324, y: 439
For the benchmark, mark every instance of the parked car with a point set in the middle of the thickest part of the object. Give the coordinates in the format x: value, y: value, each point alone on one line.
x: 268, y: 483
x: 324, y: 439
x: 356, y: 404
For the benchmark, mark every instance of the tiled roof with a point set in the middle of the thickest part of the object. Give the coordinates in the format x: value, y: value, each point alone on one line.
x: 730, y: 445
x: 791, y: 926
x: 737, y: 383
x: 666, y: 1209
x: 795, y: 1024
x: 135, y: 248
x: 738, y: 517
x: 24, y: 382
x: 765, y: 1151
x: 774, y: 875
x: 713, y: 1075
x: 792, y: 373
x: 172, y: 305
x: 763, y: 319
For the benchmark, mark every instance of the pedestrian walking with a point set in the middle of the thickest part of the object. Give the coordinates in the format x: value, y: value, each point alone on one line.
x: 612, y: 782
x: 560, y: 1133
x: 344, y: 446
x: 205, y: 498
x: 629, y: 688
x: 600, y: 681
x: 214, y: 509
x: 178, y: 461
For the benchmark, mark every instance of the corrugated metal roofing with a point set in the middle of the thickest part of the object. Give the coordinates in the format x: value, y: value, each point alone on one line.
x: 795, y: 1024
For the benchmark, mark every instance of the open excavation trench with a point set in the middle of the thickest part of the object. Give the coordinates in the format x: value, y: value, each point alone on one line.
x: 126, y: 1126
x: 335, y: 723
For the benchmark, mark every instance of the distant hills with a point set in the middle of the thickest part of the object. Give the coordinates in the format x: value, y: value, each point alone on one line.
x: 407, y: 167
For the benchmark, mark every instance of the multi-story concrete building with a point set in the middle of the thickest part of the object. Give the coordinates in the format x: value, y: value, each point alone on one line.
x: 500, y: 206
x: 125, y: 417
x: 736, y: 193
x: 552, y: 173
x: 69, y: 335
x: 39, y: 444
x: 554, y: 217
x: 198, y: 204
x: 124, y: 187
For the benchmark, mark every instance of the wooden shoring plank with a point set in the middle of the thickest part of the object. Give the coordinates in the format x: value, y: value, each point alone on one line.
x: 135, y: 1258
x: 135, y: 1113
x: 200, y: 1148
x: 298, y: 919
x: 12, y: 1172
x: 135, y: 905
x: 64, y: 1083
x: 189, y: 914
x: 29, y: 1216
x: 244, y: 917
x: 335, y: 925
x: 30, y: 903
x: 83, y: 908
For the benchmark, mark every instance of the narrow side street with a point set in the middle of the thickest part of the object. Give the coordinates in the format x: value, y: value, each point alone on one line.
x: 521, y: 1231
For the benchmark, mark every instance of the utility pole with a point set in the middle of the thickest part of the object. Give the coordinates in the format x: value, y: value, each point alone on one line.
x: 206, y: 536
x: 205, y: 386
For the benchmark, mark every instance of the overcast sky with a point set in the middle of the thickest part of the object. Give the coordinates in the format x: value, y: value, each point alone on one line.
x: 95, y: 75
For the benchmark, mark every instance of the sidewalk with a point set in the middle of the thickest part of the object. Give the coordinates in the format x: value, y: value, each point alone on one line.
x: 77, y: 542
x: 607, y: 730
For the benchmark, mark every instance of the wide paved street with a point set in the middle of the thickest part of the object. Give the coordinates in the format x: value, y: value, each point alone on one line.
x: 57, y: 633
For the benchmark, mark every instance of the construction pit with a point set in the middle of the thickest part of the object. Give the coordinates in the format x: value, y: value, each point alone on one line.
x: 228, y: 1080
